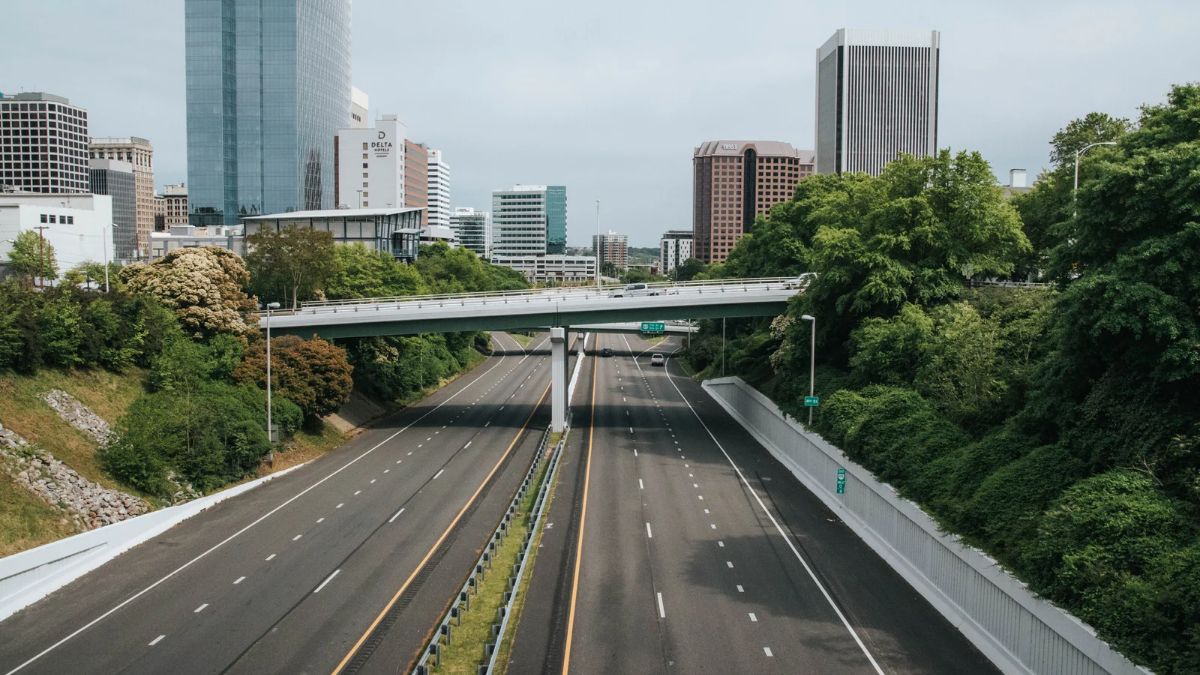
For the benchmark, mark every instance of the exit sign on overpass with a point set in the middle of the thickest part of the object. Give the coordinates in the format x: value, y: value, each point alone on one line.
x: 653, y: 327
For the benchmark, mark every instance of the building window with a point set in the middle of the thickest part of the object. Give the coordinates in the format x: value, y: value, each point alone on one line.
x: 45, y: 219
x: 364, y: 165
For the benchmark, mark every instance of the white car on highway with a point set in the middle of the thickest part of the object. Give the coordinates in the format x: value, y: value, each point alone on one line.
x: 658, y: 360
x: 634, y: 290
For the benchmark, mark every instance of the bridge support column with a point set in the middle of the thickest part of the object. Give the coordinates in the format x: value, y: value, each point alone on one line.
x: 558, y: 378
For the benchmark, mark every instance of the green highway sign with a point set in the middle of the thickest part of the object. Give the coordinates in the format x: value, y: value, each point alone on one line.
x: 653, y: 327
x: 841, y: 481
x: 812, y: 401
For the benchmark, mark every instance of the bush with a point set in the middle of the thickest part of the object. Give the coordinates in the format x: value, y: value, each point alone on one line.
x: 313, y: 374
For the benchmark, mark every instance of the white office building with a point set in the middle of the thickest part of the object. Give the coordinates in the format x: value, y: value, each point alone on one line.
x: 554, y: 269
x: 529, y: 220
x: 78, y: 226
x: 877, y: 96
x: 439, y: 189
x: 474, y: 230
x: 359, y: 104
x: 370, y: 165
x: 674, y: 248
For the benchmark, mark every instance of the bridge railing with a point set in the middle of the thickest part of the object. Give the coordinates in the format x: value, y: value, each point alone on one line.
x: 548, y: 295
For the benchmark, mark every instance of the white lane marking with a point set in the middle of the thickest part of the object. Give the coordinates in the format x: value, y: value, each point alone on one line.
x: 443, y: 426
x: 429, y: 439
x: 357, y: 493
x: 712, y: 525
x: 397, y: 515
x: 706, y: 512
x: 387, y: 470
x: 399, y: 460
x: 419, y: 445
x: 729, y: 564
x: 635, y: 452
x: 242, y: 531
x: 662, y: 612
x: 340, y: 505
x: 200, y: 608
x: 696, y: 485
x: 740, y: 589
x: 440, y: 472
x: 373, y: 480
x: 649, y: 534
x: 327, y: 580
x: 467, y: 445
x: 297, y: 537
x: 487, y: 423
x: 641, y: 485
x: 268, y: 558
x: 720, y: 543
x: 767, y: 651
x: 690, y: 475
x: 239, y: 580
x: 700, y: 497
x: 804, y: 563
x: 631, y: 430
x: 410, y: 453
x: 320, y: 520
x: 156, y: 640
x: 753, y: 619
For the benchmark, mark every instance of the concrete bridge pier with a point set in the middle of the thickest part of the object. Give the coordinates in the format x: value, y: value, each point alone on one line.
x: 559, y: 361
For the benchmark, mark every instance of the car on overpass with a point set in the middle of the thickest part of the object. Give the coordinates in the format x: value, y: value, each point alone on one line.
x: 635, y: 290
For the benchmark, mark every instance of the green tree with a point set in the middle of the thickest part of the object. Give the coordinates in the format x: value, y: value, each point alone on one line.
x: 32, y: 256
x: 204, y: 286
x: 687, y: 270
x: 294, y: 260
x: 364, y: 273
x: 1095, y: 127
x: 458, y: 270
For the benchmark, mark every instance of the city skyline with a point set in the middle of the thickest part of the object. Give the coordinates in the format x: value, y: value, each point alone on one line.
x: 610, y: 107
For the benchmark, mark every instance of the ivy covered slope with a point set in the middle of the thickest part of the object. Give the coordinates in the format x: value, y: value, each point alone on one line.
x: 1057, y: 428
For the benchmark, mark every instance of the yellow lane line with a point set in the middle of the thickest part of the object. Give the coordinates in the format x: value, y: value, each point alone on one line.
x: 587, y: 474
x: 403, y: 587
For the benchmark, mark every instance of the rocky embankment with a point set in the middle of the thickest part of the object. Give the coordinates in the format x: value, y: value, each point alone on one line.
x: 88, y: 503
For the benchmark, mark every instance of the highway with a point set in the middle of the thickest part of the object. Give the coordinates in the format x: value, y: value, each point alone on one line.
x: 343, y: 565
x: 680, y: 545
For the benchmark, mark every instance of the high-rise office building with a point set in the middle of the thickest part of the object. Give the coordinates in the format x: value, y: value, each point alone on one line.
x: 43, y: 144
x: 140, y: 154
x: 268, y: 87
x: 529, y: 220
x: 370, y: 165
x: 438, y: 182
x: 359, y: 103
x: 474, y: 230
x: 117, y: 180
x: 612, y: 248
x: 674, y: 248
x: 877, y: 96
x: 734, y: 182
x: 416, y: 178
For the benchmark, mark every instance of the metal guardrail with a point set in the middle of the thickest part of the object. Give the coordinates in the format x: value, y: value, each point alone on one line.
x: 432, y: 653
x: 546, y: 295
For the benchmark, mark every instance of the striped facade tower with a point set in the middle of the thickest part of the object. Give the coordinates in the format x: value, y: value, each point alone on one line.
x: 877, y: 96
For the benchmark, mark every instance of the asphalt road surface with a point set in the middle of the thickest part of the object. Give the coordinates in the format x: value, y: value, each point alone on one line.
x: 346, y: 563
x: 701, y: 554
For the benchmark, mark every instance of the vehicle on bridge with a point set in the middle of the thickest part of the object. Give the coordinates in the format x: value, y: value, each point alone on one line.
x: 635, y: 290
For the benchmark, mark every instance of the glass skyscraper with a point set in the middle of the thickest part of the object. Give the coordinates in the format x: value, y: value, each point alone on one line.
x: 268, y: 87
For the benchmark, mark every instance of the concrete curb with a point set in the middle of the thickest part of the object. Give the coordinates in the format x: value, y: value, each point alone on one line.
x: 29, y: 576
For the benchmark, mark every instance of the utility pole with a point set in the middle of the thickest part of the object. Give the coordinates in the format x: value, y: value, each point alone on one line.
x: 41, y: 254
x: 596, y: 244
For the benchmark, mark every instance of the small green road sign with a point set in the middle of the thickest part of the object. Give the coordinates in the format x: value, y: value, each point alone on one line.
x: 841, y: 481
x: 812, y: 401
x: 653, y: 328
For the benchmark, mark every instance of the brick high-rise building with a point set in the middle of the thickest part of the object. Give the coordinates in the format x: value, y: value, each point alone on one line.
x: 612, y: 248
x: 734, y: 182
x: 416, y: 178
x: 140, y: 154
x: 43, y: 144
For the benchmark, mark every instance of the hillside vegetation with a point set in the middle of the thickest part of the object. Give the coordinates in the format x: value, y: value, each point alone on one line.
x: 1056, y: 428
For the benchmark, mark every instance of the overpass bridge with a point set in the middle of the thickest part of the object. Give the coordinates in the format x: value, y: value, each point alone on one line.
x: 561, y: 309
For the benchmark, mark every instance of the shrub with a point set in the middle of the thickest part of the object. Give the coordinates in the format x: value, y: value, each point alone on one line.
x: 313, y: 374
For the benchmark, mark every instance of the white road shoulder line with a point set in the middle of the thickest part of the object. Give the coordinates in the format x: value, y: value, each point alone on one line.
x: 662, y: 612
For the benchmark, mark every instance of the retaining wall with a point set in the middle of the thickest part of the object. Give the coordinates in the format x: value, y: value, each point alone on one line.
x: 1015, y: 629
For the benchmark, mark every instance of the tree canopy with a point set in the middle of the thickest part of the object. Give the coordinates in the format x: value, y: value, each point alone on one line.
x: 293, y: 262
x: 205, y: 286
x: 32, y: 256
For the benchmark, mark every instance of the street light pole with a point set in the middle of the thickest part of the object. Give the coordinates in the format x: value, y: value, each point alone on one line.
x: 596, y: 245
x: 812, y: 362
x: 1078, y: 154
x: 270, y: 432
x: 722, y: 346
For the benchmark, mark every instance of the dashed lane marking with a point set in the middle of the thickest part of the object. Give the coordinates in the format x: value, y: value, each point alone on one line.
x: 327, y: 580
x: 156, y: 640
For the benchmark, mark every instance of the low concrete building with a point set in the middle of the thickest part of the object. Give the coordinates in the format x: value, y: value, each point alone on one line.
x: 190, y: 236
x: 552, y: 269
x: 393, y: 230
x: 78, y: 226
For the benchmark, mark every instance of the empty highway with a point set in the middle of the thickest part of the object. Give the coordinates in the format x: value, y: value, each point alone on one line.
x: 680, y: 545
x: 343, y: 565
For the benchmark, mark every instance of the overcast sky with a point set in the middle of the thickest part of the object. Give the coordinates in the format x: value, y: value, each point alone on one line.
x: 610, y: 97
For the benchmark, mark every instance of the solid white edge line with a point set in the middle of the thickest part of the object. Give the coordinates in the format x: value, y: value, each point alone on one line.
x: 237, y: 534
x: 662, y: 612
x: 327, y: 580
x: 788, y: 540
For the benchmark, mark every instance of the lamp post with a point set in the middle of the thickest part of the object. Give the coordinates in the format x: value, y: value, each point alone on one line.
x: 596, y: 245
x: 105, y: 241
x: 1078, y: 154
x: 812, y: 362
x: 270, y: 431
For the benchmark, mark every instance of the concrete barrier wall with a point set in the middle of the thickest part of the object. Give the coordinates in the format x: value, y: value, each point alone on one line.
x: 1018, y: 631
x: 29, y: 576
